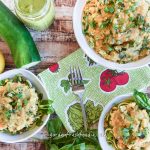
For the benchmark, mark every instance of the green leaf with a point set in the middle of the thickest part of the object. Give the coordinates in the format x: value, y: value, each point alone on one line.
x: 142, y: 100
x: 109, y: 9
x: 45, y: 107
x: 66, y: 85
x: 110, y: 48
x: 67, y: 147
x: 19, y: 95
x: 54, y: 147
x: 93, y: 24
x: 47, y: 144
x: 25, y: 102
x: 81, y: 146
x: 105, y: 23
x: 8, y: 114
x: 115, y: 27
x: 19, y: 107
x: 119, y: 1
x: 54, y: 126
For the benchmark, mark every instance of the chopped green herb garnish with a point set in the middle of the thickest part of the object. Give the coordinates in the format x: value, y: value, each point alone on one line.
x: 109, y: 9
x: 139, y: 20
x: 2, y: 82
x: 93, y: 24
x: 115, y: 26
x: 110, y: 48
x: 19, y: 95
x: 131, y: 18
x: 119, y: 1
x: 145, y: 43
x: 19, y: 107
x: 8, y: 114
x: 13, y: 104
x: 126, y: 132
x: 25, y: 102
x: 105, y: 23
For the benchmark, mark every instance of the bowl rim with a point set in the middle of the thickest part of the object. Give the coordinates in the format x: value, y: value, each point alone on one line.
x: 46, y: 118
x: 77, y: 27
x: 101, y: 135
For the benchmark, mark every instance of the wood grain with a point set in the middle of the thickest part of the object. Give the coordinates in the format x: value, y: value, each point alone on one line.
x: 23, y: 146
x: 54, y: 44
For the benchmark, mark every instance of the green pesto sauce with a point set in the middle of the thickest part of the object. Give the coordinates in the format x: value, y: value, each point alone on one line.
x: 31, y: 6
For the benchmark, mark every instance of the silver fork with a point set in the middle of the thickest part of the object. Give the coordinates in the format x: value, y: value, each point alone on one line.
x: 78, y: 89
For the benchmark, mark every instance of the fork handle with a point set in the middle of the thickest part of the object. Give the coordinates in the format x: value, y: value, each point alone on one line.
x: 83, y: 111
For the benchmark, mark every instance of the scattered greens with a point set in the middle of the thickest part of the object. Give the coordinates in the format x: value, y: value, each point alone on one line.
x: 142, y: 100
x: 19, y: 101
x: 45, y: 107
x: 109, y: 9
x: 123, y: 23
x: 127, y: 132
x: 59, y: 139
x: 105, y: 24
x: 93, y: 24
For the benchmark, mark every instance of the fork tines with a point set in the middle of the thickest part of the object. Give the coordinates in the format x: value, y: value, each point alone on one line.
x: 76, y: 76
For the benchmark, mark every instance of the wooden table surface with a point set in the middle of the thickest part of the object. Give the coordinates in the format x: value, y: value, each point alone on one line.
x: 54, y: 44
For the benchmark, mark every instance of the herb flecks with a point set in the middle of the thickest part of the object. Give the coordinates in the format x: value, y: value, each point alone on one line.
x: 127, y: 132
x: 93, y: 24
x: 105, y: 24
x: 109, y: 9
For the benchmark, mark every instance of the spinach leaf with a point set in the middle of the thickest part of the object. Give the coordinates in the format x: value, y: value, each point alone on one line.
x: 142, y: 100
x: 62, y: 140
x: 55, y: 126
x: 45, y: 107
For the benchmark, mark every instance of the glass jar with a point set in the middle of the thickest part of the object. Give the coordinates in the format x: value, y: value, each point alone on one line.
x: 35, y: 14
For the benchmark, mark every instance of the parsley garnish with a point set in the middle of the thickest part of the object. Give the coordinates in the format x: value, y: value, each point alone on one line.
x: 93, y: 24
x: 8, y: 114
x: 105, y: 23
x: 126, y: 132
x: 25, y: 102
x: 109, y: 9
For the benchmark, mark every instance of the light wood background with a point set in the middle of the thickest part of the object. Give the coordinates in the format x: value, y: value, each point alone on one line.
x: 54, y: 44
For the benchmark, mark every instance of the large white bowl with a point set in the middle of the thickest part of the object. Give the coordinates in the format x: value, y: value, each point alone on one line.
x: 101, y: 133
x: 77, y: 26
x: 38, y: 85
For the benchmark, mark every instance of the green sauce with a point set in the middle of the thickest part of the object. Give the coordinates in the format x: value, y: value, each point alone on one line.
x: 31, y: 6
x: 36, y: 14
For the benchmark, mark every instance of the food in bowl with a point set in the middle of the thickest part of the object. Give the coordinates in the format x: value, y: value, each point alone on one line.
x: 118, y: 30
x: 127, y: 124
x: 21, y: 106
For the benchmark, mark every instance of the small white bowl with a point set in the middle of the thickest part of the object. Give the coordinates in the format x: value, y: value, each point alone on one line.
x: 77, y: 26
x: 7, y: 138
x: 101, y: 133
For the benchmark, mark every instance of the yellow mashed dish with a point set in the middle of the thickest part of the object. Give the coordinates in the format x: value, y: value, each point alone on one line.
x: 127, y: 127
x: 19, y: 105
x: 118, y: 30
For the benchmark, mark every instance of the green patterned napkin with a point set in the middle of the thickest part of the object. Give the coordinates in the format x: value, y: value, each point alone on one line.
x: 101, y: 84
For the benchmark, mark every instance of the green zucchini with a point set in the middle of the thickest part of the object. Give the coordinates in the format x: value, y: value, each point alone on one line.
x: 18, y: 38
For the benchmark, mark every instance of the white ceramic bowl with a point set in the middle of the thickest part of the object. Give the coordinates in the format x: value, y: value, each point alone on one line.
x: 38, y: 85
x: 77, y: 26
x: 101, y: 133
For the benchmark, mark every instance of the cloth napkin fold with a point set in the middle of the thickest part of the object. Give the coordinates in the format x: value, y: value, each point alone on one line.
x: 101, y: 86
